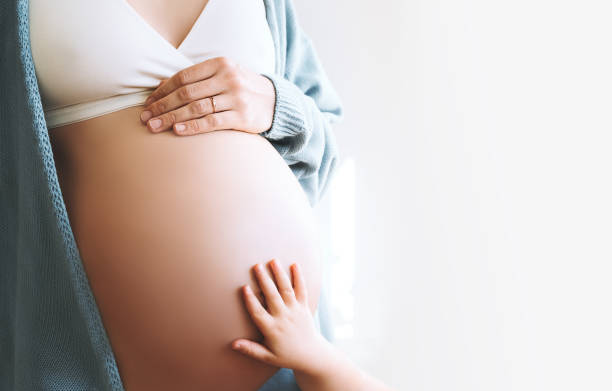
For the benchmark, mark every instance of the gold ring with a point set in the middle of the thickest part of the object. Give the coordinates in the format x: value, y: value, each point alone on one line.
x: 214, y: 106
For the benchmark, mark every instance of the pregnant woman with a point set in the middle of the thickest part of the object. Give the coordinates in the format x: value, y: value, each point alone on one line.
x: 159, y: 225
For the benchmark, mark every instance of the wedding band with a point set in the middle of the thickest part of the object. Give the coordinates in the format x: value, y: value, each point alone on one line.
x: 214, y: 106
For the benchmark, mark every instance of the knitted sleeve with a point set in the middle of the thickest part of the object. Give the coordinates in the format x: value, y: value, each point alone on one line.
x: 306, y: 107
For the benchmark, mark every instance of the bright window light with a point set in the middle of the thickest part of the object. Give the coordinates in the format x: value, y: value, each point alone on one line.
x: 342, y: 194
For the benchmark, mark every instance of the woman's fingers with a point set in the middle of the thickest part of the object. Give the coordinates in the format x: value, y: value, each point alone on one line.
x: 282, y: 280
x: 228, y: 119
x: 299, y: 285
x: 165, y: 99
x: 254, y: 350
x: 197, y: 109
x: 189, y: 75
x: 258, y: 313
x: 273, y: 298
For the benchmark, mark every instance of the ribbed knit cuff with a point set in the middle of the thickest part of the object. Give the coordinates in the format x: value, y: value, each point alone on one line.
x: 289, y: 117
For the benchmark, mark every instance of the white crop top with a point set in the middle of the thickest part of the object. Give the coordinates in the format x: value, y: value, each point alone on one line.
x: 93, y: 57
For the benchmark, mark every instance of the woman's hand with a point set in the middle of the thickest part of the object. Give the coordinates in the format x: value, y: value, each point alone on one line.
x: 244, y: 100
x: 291, y: 339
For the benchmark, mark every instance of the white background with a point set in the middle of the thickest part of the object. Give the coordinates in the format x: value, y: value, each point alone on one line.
x: 470, y: 218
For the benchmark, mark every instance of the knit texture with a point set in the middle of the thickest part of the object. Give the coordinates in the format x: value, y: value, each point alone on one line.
x: 306, y: 105
x: 51, y: 332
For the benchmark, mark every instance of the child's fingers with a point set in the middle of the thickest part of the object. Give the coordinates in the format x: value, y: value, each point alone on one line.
x: 258, y: 313
x: 254, y: 350
x: 273, y: 298
x: 299, y: 285
x: 284, y: 285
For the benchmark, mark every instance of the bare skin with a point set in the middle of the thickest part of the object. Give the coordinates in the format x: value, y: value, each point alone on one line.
x: 167, y: 227
x: 172, y: 22
x: 291, y: 339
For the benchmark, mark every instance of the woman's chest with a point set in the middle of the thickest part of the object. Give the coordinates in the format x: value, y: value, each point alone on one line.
x: 171, y: 21
x: 85, y: 50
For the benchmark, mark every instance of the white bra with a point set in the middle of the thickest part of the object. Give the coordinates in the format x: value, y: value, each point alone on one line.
x: 93, y: 57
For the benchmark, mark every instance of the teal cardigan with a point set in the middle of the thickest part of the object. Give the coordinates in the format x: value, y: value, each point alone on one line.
x: 51, y: 334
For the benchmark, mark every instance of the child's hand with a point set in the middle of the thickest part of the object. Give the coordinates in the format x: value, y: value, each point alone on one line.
x: 290, y: 335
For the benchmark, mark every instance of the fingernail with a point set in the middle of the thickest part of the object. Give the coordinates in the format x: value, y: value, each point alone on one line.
x: 145, y: 115
x: 155, y: 123
x: 179, y: 127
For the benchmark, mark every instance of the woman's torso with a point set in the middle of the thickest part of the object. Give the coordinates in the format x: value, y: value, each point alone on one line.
x: 168, y: 226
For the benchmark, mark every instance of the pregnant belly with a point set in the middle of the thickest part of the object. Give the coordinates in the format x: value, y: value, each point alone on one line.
x: 167, y: 228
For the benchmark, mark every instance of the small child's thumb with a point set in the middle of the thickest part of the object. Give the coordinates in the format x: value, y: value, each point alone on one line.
x: 254, y: 350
